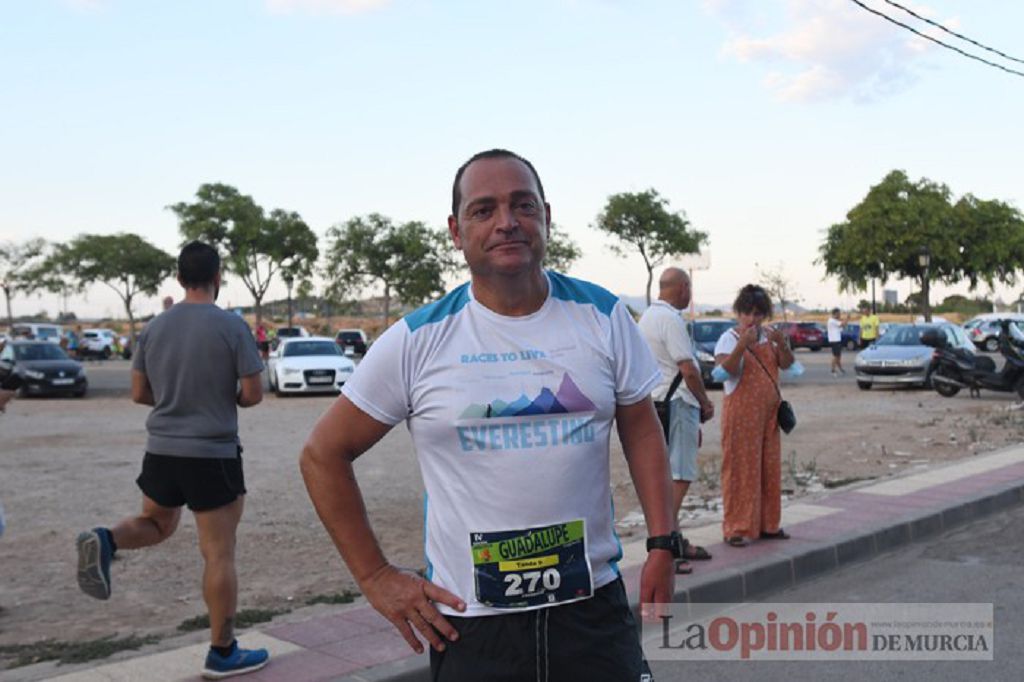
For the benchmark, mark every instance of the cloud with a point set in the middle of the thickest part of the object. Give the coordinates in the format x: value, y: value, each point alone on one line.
x: 325, y: 6
x: 826, y: 49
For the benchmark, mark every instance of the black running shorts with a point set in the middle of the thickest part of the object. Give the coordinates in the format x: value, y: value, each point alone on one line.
x: 837, y: 347
x: 596, y: 640
x: 202, y: 483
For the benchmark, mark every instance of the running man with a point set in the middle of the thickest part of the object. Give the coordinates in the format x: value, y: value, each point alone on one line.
x: 509, y: 386
x: 189, y: 364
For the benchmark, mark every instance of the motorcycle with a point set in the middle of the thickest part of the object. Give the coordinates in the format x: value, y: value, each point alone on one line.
x: 955, y: 368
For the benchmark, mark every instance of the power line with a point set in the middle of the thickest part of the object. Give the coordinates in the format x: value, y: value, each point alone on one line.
x: 936, y: 40
x: 952, y: 32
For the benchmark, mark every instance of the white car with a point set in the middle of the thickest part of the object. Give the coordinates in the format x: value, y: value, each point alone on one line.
x: 99, y: 342
x: 312, y: 364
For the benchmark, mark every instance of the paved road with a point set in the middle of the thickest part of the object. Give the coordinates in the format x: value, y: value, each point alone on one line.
x: 980, y: 562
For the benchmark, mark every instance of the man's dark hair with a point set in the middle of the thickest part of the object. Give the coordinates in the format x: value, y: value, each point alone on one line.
x: 489, y: 154
x: 198, y: 265
x: 753, y: 299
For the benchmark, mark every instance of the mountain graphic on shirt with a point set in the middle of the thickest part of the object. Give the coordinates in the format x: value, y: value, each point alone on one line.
x: 568, y: 398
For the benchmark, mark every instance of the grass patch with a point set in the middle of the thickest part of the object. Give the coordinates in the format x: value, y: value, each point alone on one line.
x: 243, y: 619
x: 346, y: 597
x: 71, y: 652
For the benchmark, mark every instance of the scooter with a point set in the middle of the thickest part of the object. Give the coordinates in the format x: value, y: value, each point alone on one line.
x: 955, y: 368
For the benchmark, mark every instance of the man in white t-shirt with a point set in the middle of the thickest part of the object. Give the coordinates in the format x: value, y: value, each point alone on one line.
x: 664, y: 329
x: 835, y: 342
x: 509, y: 386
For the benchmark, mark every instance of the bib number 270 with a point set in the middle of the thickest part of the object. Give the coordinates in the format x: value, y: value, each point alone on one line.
x: 519, y: 584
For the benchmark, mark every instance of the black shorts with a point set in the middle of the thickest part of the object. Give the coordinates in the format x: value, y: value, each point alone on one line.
x: 837, y: 347
x: 202, y: 483
x: 595, y: 640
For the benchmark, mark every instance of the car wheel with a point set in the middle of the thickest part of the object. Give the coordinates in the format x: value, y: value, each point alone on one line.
x: 105, y: 354
x: 992, y: 344
x: 80, y: 394
x: 815, y: 349
x: 864, y: 385
x: 851, y: 345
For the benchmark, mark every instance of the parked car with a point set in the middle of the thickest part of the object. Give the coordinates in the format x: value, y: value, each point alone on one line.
x: 308, y: 364
x: 97, y: 343
x: 351, y: 341
x: 851, y: 335
x: 802, y: 334
x: 38, y: 331
x: 44, y: 368
x: 705, y: 332
x: 983, y: 330
x: 288, y: 333
x: 899, y: 357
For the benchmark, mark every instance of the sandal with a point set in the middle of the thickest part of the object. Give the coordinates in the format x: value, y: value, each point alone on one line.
x: 694, y: 552
x: 780, y: 534
x: 683, y: 567
x: 737, y: 541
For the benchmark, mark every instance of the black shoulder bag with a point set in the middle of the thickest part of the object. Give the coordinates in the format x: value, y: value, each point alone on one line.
x: 786, y: 416
x: 664, y: 407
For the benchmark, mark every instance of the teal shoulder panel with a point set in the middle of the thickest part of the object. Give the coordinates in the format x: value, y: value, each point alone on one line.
x: 570, y: 289
x: 444, y: 307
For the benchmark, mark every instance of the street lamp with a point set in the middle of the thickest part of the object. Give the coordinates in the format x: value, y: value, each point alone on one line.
x: 289, y: 278
x: 924, y: 259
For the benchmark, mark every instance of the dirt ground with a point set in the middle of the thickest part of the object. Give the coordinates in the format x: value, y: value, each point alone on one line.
x: 69, y: 465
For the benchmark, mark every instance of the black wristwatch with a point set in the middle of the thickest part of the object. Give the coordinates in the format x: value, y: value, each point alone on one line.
x: 673, y: 542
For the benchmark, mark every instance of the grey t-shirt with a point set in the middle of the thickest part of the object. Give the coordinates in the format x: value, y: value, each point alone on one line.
x: 193, y: 355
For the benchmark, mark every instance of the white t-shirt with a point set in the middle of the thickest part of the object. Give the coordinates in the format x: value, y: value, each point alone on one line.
x: 726, y: 344
x: 664, y: 330
x: 835, y: 330
x: 511, y: 417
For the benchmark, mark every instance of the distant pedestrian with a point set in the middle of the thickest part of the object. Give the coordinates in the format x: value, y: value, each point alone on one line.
x: 261, y: 341
x: 751, y: 445
x: 835, y: 342
x: 195, y: 364
x: 167, y: 303
x: 868, y: 327
x: 664, y: 329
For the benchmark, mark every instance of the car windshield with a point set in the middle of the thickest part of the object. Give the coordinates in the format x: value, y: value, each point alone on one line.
x: 906, y: 335
x: 710, y: 331
x: 310, y: 348
x: 289, y: 331
x: 39, y: 351
x: 348, y: 337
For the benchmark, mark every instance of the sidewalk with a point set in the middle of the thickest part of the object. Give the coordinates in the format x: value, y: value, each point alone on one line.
x: 356, y: 644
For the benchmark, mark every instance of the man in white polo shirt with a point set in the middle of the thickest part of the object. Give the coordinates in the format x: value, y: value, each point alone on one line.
x: 664, y: 329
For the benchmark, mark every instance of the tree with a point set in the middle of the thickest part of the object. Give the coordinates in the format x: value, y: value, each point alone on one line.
x: 642, y: 222
x: 125, y: 262
x: 911, y: 230
x: 18, y: 263
x: 779, y: 287
x: 408, y: 260
x: 561, y: 251
x: 253, y: 246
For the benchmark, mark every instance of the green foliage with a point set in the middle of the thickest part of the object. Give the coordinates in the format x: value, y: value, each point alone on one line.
x: 243, y: 619
x: 345, y: 597
x: 70, y: 652
x: 641, y: 222
x: 964, y: 305
x: 883, y: 236
x: 408, y: 260
x: 18, y: 269
x: 125, y: 262
x: 253, y: 245
x: 561, y: 251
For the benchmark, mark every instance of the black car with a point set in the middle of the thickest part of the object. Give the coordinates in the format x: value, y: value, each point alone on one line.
x: 705, y: 333
x: 351, y: 341
x: 44, y: 368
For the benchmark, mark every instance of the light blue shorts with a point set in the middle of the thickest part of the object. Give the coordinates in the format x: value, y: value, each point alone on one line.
x: 683, y: 438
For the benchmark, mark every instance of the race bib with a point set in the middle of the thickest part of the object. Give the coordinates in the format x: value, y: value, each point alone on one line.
x: 516, y: 569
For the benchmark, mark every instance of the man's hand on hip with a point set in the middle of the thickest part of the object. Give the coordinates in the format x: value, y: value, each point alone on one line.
x: 657, y: 583
x: 407, y: 600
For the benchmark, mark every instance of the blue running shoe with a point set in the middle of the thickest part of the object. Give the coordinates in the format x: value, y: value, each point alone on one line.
x: 94, y: 554
x: 238, y: 662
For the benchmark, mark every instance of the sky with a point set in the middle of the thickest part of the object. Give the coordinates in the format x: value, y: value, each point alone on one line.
x: 764, y: 121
